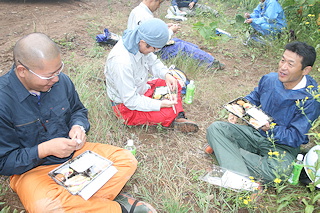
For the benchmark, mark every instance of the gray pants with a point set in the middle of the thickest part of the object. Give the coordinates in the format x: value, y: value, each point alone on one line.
x: 243, y: 149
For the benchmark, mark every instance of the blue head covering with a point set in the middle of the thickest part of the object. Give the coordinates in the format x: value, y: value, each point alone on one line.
x: 153, y: 31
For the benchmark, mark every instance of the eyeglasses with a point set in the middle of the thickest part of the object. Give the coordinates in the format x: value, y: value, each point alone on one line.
x: 44, y: 78
x: 154, y: 48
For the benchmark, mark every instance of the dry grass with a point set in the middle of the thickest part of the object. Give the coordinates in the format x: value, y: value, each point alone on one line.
x: 169, y: 162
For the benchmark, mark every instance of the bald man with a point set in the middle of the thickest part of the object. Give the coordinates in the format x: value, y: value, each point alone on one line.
x: 40, y: 111
x: 127, y: 71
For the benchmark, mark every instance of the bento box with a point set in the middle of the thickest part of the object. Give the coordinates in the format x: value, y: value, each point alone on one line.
x: 248, y: 112
x: 85, y: 174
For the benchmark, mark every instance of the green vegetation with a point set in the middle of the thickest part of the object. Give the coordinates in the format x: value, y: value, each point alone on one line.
x: 170, y: 163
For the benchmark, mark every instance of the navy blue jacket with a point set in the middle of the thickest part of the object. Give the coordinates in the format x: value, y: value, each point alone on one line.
x: 27, y: 120
x: 280, y: 103
x: 182, y: 3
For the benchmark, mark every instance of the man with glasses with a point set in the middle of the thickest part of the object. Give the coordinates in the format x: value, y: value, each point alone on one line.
x: 43, y: 124
x: 127, y: 71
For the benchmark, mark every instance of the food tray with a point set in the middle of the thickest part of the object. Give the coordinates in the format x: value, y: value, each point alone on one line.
x: 161, y: 93
x: 76, y: 174
x: 248, y: 112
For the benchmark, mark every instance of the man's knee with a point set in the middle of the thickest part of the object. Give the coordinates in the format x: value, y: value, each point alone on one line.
x: 217, y: 125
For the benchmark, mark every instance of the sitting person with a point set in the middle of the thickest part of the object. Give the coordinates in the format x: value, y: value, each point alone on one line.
x: 267, y: 18
x: 127, y: 71
x: 43, y: 124
x: 189, y: 8
x: 144, y: 11
x: 246, y: 150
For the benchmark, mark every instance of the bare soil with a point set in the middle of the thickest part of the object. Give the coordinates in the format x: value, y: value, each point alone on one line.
x: 69, y: 20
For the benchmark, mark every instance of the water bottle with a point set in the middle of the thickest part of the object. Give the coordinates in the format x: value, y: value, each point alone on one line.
x: 219, y: 32
x: 297, y: 167
x: 190, y: 92
x: 131, y: 147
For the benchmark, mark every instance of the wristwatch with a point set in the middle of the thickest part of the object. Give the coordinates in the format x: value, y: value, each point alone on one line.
x: 81, y: 127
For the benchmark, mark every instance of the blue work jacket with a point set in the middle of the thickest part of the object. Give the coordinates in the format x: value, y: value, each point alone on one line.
x: 280, y: 103
x: 27, y: 120
x: 182, y: 3
x: 268, y: 17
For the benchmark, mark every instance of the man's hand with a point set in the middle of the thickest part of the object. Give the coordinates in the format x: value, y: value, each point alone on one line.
x: 174, y: 27
x: 59, y: 147
x: 171, y: 82
x: 191, y: 5
x: 248, y: 21
x: 266, y: 127
x: 232, y: 118
x: 78, y: 134
x: 169, y: 103
x: 247, y: 15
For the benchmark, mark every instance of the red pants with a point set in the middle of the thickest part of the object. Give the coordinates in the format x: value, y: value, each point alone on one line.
x: 164, y: 117
x: 39, y: 193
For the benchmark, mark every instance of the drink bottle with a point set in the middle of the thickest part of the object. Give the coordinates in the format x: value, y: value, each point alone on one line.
x: 190, y: 92
x: 297, y: 167
x: 131, y: 147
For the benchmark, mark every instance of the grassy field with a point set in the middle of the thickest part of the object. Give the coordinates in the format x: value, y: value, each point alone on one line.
x: 170, y: 163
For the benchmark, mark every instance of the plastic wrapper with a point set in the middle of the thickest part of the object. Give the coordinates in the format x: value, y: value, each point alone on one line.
x: 228, y: 179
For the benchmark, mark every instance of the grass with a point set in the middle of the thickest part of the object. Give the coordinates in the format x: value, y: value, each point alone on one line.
x: 170, y: 163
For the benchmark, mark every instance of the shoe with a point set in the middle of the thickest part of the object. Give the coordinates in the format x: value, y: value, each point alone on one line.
x: 186, y: 126
x: 207, y: 149
x: 256, y: 194
x: 217, y: 65
x: 132, y: 205
x: 177, y: 11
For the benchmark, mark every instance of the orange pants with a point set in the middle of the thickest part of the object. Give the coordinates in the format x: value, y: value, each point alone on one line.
x: 39, y: 193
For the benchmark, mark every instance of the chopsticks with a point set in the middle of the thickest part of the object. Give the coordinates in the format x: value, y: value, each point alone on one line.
x: 170, y: 95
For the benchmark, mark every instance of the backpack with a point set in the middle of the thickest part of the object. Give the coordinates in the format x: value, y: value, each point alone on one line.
x: 181, y: 77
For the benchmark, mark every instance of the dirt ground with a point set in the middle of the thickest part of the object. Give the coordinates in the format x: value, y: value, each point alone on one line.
x: 69, y: 20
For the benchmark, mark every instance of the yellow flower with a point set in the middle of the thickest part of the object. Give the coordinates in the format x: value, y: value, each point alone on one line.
x: 309, y: 15
x: 250, y: 177
x: 318, y: 135
x: 310, y: 86
x: 306, y: 98
x: 277, y: 180
x: 272, y: 125
x: 240, y: 198
x: 270, y: 153
x: 275, y: 153
x: 317, y: 96
x: 307, y: 22
x: 245, y: 202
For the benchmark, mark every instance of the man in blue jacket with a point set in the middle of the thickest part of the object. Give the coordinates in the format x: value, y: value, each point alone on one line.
x: 248, y: 151
x: 43, y: 124
x: 267, y: 18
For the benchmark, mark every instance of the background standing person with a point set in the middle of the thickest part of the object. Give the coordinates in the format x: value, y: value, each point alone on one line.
x: 246, y: 150
x: 127, y: 71
x: 43, y: 124
x: 267, y: 18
